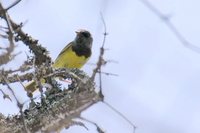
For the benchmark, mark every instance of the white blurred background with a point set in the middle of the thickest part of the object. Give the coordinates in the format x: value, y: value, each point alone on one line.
x: 158, y: 86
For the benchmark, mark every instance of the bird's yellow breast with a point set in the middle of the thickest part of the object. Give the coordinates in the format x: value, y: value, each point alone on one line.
x: 69, y: 59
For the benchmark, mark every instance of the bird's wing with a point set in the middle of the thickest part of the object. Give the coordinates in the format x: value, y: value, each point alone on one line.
x: 65, y: 49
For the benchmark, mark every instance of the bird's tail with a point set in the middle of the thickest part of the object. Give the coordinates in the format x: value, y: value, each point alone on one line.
x: 31, y: 86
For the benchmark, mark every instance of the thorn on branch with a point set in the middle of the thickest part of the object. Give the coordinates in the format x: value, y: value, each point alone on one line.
x: 5, y: 96
x: 108, y: 74
x: 78, y: 123
x: 99, y: 130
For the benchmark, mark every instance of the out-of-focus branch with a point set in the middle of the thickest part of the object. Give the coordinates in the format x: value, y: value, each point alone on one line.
x: 13, y: 4
x: 5, y: 96
x: 108, y: 74
x: 122, y: 115
x: 14, y: 78
x: 171, y: 26
x: 41, y: 54
x: 20, y: 106
x: 6, y: 57
x: 24, y: 67
x: 99, y: 130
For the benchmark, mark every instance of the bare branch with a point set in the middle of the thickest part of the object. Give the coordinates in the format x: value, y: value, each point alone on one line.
x: 4, y: 36
x: 108, y: 74
x: 41, y: 53
x: 57, y: 113
x: 13, y: 4
x: 120, y: 114
x: 100, y: 61
x: 105, y: 29
x: 6, y: 57
x: 171, y: 26
x: 78, y: 123
x: 20, y: 106
x: 5, y: 95
x: 60, y: 106
x: 99, y: 130
x: 13, y: 78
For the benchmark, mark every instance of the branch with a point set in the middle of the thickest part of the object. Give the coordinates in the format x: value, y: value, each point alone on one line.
x: 13, y: 4
x: 58, y: 112
x: 20, y: 106
x: 99, y: 130
x: 6, y: 57
x: 41, y: 54
x: 120, y: 114
x: 171, y: 26
x: 100, y: 61
x: 5, y: 95
x: 60, y: 107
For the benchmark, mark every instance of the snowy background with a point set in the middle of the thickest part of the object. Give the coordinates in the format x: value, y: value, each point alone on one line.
x: 158, y: 86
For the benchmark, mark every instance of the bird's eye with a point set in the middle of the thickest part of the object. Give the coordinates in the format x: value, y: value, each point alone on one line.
x: 86, y: 34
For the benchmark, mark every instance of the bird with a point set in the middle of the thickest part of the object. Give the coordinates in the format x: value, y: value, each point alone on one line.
x: 74, y: 55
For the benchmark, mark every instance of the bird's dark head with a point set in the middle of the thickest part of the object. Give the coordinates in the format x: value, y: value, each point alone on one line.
x: 83, y: 37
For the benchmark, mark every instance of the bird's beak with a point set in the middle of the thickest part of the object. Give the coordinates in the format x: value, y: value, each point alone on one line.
x: 77, y: 32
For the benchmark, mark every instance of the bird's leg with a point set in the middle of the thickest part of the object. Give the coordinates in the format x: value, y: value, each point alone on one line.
x: 32, y: 103
x: 73, y: 85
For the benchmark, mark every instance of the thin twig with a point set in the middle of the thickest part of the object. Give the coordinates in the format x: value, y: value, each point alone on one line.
x: 5, y: 58
x: 7, y: 83
x: 105, y: 29
x: 100, y: 61
x: 171, y: 26
x: 10, y: 34
x: 95, y: 124
x: 100, y: 83
x: 3, y: 36
x: 41, y: 53
x: 108, y: 74
x: 36, y: 79
x: 20, y: 106
x: 12, y: 5
x: 20, y: 82
x: 120, y: 114
x: 5, y: 95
